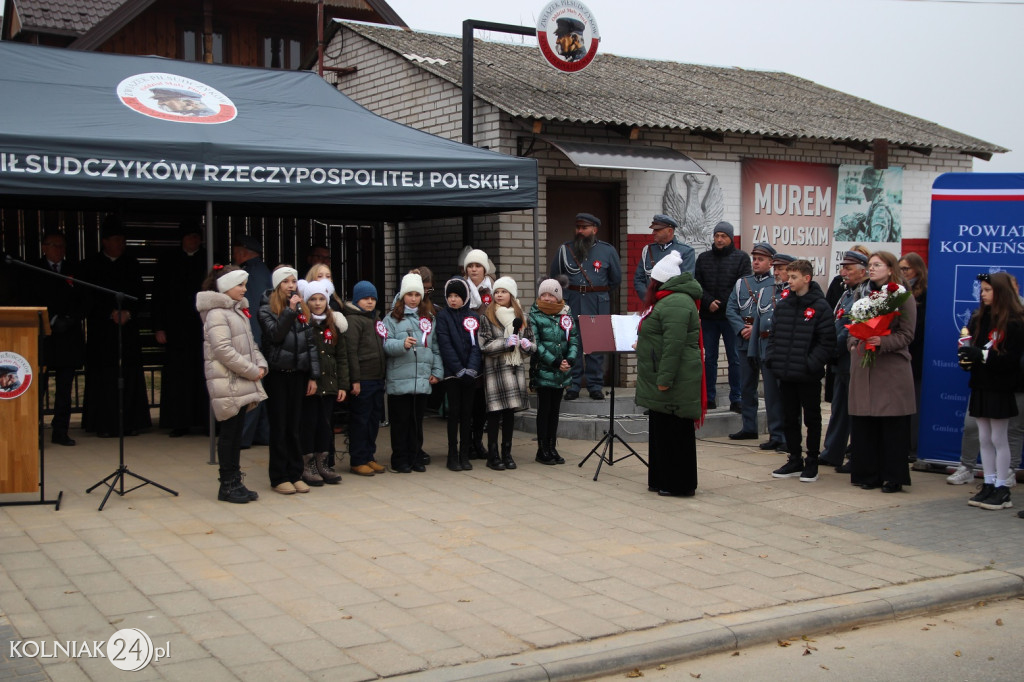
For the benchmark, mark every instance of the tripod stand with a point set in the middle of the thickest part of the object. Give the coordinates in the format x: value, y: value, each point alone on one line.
x: 607, y: 455
x: 598, y: 336
x: 115, y: 481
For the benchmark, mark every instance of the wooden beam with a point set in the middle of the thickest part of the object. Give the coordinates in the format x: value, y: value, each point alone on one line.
x: 923, y: 151
x: 984, y: 156
x: 880, y: 147
x: 858, y: 146
x: 784, y: 141
x: 709, y: 134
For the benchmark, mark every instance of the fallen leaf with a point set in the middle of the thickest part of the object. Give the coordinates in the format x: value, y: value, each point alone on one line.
x: 839, y: 648
x: 662, y: 666
x: 807, y: 652
x: 209, y: 532
x: 634, y: 673
x: 999, y: 621
x: 515, y: 663
x: 763, y: 556
x: 930, y: 624
x: 76, y: 592
x: 465, y: 601
x: 695, y: 676
x: 806, y: 638
x: 735, y: 653
x: 783, y: 643
x: 957, y: 653
x: 926, y: 629
x: 116, y: 621
x: 346, y: 617
x: 823, y: 667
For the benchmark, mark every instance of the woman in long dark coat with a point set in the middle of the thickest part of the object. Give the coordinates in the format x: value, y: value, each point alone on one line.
x: 670, y: 377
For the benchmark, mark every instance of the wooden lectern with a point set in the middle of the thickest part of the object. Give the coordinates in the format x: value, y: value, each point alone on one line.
x: 21, y: 451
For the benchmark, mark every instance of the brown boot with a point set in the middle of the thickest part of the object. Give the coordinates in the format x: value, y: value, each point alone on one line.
x: 326, y: 472
x: 310, y: 476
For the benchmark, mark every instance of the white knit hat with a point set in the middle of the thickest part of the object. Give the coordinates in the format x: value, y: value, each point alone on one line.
x: 319, y: 286
x: 476, y: 256
x: 281, y: 274
x: 508, y: 284
x: 668, y: 267
x: 411, y: 283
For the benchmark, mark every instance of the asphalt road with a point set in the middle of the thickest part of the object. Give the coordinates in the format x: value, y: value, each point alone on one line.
x: 982, y: 643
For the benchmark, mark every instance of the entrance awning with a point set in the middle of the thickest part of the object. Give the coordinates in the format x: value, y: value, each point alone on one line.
x: 626, y: 157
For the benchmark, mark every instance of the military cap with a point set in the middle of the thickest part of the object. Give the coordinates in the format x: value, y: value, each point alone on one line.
x: 782, y: 259
x: 568, y: 25
x: 763, y: 248
x: 661, y: 220
x: 247, y: 242
x: 589, y: 218
x: 854, y: 258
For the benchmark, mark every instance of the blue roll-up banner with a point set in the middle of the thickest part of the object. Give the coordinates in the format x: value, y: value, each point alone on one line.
x: 977, y: 226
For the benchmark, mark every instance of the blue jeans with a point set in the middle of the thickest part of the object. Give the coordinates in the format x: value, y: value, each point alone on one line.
x: 365, y: 413
x: 713, y: 330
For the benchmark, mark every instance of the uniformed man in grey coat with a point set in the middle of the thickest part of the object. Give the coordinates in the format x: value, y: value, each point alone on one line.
x: 757, y: 350
x: 592, y: 267
x: 739, y: 311
x: 663, y: 229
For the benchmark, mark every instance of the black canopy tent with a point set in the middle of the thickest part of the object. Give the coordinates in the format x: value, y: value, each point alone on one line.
x: 106, y: 131
x: 76, y: 124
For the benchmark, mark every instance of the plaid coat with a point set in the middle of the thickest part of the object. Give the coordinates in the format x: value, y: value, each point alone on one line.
x: 504, y: 384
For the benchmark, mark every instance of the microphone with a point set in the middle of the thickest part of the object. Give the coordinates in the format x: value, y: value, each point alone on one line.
x: 517, y: 324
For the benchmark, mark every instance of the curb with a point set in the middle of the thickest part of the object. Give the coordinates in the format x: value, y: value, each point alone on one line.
x: 679, y: 641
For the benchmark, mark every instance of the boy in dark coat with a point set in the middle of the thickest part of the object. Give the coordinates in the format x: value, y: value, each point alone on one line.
x: 802, y: 340
x: 457, y: 341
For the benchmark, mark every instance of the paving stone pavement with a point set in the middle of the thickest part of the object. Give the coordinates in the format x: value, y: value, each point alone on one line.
x: 401, y: 573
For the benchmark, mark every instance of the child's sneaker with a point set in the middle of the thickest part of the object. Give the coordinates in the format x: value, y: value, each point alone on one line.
x: 793, y: 467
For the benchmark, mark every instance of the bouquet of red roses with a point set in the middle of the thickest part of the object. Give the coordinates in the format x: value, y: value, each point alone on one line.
x: 873, y: 315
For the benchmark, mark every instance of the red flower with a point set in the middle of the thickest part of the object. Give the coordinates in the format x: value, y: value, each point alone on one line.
x: 808, y: 313
x: 328, y: 335
x: 784, y: 294
x: 245, y: 311
x: 597, y: 266
x: 840, y: 313
x: 302, y: 318
x: 892, y: 286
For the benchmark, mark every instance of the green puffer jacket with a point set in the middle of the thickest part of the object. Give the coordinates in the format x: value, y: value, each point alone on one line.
x: 552, y: 348
x: 668, y: 351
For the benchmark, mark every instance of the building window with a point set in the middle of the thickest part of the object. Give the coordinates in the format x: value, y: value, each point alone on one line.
x: 192, y: 46
x: 281, y: 53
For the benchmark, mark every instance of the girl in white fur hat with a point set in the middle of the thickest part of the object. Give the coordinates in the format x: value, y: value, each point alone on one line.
x: 328, y: 330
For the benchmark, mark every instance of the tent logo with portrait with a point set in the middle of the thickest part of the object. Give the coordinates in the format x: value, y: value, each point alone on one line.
x: 170, y: 97
x: 15, y: 375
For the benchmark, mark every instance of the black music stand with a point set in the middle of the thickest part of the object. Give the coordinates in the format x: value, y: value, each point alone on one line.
x: 598, y: 336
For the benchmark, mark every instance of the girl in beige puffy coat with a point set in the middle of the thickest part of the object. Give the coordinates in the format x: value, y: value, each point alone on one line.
x: 234, y: 367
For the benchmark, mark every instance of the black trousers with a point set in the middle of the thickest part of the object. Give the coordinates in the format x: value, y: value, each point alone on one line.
x: 229, y: 445
x: 549, y: 400
x: 460, y: 414
x: 506, y: 419
x: 64, y: 378
x: 880, y: 446
x: 797, y: 397
x: 406, y: 415
x: 285, y: 392
x: 671, y: 453
x: 479, y: 413
x: 317, y: 431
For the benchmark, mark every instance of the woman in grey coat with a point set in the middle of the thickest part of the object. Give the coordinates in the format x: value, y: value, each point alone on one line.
x: 234, y: 367
x: 882, y: 394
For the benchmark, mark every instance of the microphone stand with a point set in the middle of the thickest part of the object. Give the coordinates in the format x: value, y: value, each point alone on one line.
x: 115, y: 481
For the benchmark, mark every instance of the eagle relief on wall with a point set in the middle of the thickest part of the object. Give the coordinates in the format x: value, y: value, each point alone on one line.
x: 696, y: 211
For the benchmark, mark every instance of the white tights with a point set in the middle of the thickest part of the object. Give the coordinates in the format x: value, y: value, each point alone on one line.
x: 995, y: 449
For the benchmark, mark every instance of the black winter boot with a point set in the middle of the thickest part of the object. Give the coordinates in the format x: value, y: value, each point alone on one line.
x: 506, y: 456
x: 553, y: 452
x: 465, y: 451
x: 231, y: 490
x: 453, y: 459
x: 544, y: 453
x: 493, y: 460
x: 253, y: 495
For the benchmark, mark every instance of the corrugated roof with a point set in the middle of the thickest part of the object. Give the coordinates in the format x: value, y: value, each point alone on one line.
x: 662, y: 94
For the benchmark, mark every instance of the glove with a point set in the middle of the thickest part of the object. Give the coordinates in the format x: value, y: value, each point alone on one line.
x: 461, y: 373
x: 471, y: 373
x: 512, y: 341
x: 525, y: 343
x: 968, y: 355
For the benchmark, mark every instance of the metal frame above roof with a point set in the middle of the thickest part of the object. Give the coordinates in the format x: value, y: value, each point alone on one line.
x: 626, y: 156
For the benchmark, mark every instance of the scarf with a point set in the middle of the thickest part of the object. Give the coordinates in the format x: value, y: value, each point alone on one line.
x: 475, y: 301
x: 506, y: 316
x: 319, y: 318
x: 550, y: 308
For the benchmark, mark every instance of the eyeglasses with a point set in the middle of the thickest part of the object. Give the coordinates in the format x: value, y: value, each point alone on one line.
x: 905, y: 268
x: 875, y: 266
